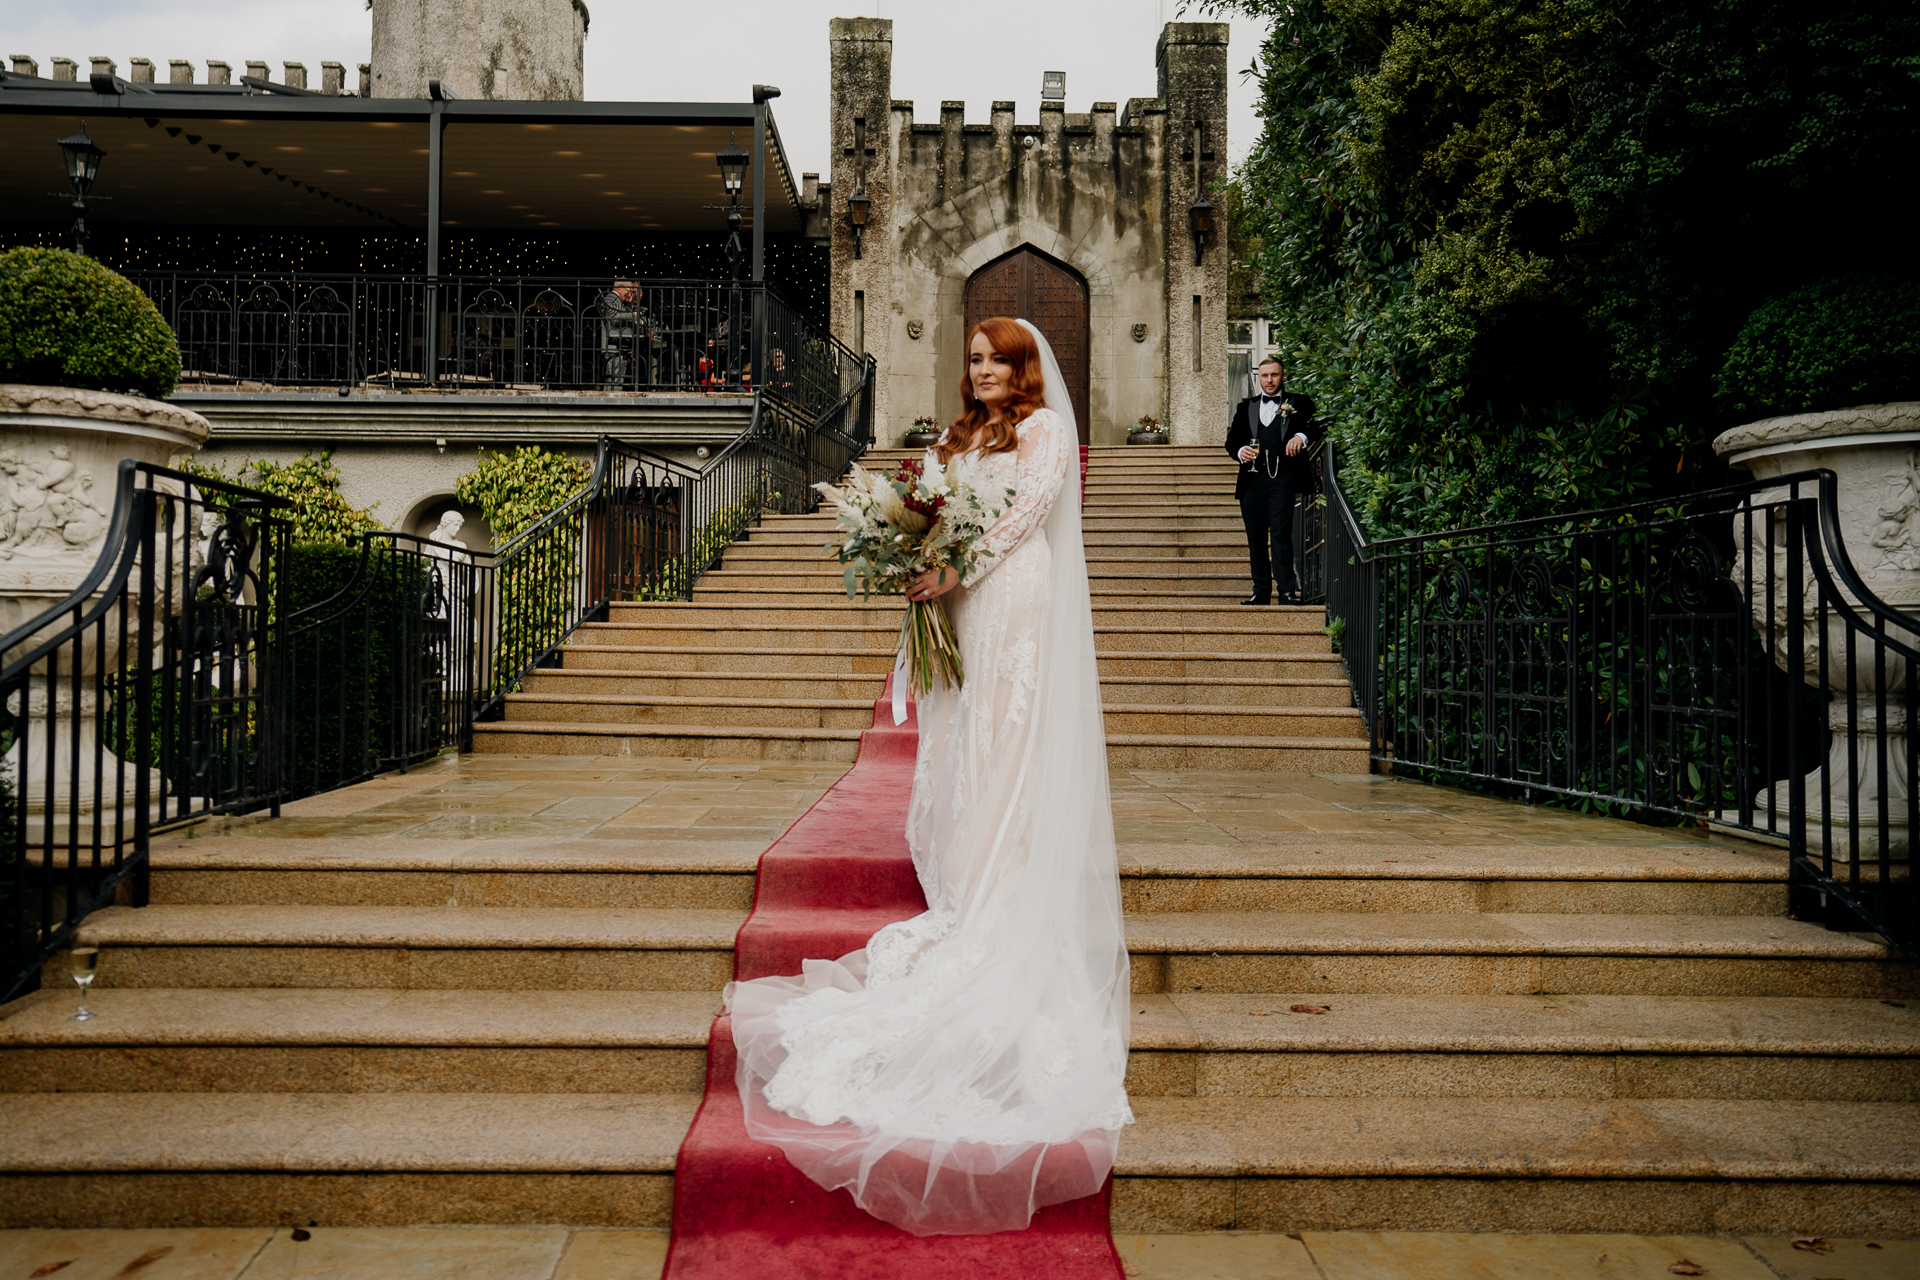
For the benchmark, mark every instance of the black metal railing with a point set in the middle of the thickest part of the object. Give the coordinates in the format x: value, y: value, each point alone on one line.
x: 385, y: 656
x: 1714, y: 660
x: 148, y: 694
x: 646, y: 527
x: 205, y: 664
x: 487, y: 332
x: 1310, y: 534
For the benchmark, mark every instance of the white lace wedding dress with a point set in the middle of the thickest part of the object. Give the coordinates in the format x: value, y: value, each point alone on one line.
x: 966, y: 1068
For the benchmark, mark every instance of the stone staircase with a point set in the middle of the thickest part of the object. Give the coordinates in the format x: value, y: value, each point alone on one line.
x: 771, y: 661
x: 480, y: 991
x: 1585, y: 1026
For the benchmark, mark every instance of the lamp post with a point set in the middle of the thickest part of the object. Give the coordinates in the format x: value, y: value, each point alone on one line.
x: 859, y: 206
x: 1200, y: 218
x: 733, y: 175
x: 83, y: 166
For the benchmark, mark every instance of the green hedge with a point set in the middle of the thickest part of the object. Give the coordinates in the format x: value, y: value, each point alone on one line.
x: 1843, y: 342
x: 67, y: 321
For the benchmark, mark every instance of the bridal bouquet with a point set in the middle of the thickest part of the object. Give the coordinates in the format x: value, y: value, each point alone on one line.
x: 899, y: 525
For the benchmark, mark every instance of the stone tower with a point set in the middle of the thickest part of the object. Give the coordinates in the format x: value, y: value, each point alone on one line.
x: 513, y: 50
x: 1077, y: 222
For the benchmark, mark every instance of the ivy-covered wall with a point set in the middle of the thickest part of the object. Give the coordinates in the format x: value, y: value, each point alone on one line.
x: 1511, y: 242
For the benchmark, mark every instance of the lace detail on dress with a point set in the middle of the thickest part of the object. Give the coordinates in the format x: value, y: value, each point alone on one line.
x: 1041, y: 468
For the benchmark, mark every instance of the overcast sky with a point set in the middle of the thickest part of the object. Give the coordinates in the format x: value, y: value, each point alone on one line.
x: 692, y: 50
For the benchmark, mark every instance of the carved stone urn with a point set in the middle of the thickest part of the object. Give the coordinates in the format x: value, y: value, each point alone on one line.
x: 1874, y: 451
x: 60, y: 453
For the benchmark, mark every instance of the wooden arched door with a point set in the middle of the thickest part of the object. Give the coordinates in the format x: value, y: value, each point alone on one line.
x: 1031, y: 286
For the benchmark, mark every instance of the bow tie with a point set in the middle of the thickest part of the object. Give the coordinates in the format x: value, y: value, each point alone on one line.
x: 1269, y: 399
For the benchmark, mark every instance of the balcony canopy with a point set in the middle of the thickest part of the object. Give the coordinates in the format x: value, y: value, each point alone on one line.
x: 203, y: 155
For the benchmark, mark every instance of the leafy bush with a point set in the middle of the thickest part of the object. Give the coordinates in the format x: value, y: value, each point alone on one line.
x: 320, y: 514
x: 1509, y: 243
x: 514, y: 490
x: 67, y: 321
x: 1855, y: 340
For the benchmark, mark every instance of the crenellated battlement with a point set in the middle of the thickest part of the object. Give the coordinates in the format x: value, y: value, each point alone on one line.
x: 180, y: 71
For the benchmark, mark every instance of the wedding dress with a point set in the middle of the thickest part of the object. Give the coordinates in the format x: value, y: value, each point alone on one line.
x: 966, y: 1067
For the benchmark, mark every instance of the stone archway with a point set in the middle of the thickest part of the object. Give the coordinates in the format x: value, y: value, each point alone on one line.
x: 1052, y: 296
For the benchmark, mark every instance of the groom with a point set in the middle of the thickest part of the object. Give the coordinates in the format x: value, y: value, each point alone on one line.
x: 1269, y: 438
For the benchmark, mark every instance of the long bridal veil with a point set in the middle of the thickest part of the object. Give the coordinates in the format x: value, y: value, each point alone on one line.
x: 967, y: 1067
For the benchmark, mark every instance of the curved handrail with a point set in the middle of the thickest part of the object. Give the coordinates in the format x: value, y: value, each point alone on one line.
x: 118, y: 553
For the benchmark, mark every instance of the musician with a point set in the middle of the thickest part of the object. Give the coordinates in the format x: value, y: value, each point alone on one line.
x: 1270, y: 437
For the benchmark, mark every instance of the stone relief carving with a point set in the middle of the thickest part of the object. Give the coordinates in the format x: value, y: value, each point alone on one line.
x: 1140, y: 333
x: 47, y: 508
x: 1897, y: 535
x: 915, y: 329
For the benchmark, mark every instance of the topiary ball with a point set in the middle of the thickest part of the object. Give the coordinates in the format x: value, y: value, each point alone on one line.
x: 67, y: 321
x: 1843, y: 342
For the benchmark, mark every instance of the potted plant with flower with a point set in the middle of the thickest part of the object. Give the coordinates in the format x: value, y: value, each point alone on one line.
x: 925, y: 433
x: 1146, y: 431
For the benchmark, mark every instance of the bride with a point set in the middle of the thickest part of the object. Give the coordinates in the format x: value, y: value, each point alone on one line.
x: 967, y: 1066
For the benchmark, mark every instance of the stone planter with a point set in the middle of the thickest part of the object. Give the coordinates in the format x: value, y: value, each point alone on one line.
x: 60, y: 454
x: 920, y: 440
x: 1874, y: 451
x: 1147, y: 437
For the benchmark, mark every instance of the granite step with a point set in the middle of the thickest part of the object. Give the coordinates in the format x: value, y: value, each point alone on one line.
x: 691, y: 741
x: 1332, y: 871
x: 1509, y: 953
x: 1202, y: 720
x: 691, y: 633
x: 1187, y: 664
x: 1225, y: 692
x: 729, y: 659
x: 1175, y: 752
x: 372, y: 1041
x: 592, y: 709
x: 1472, y: 1046
x: 721, y: 684
x: 1652, y: 1166
x: 205, y: 1159
x: 1191, y: 1045
x: 469, y: 948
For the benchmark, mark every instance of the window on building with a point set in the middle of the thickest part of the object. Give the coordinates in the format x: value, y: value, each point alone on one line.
x: 1240, y: 333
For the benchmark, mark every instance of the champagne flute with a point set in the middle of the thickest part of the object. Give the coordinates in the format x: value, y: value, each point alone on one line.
x: 85, y: 962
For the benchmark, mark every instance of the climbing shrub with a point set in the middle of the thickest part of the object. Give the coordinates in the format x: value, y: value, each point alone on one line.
x: 515, y: 490
x: 67, y: 321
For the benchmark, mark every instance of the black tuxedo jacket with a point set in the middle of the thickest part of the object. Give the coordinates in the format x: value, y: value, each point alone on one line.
x: 1296, y: 471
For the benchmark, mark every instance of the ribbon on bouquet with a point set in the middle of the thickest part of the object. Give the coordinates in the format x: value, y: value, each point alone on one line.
x: 900, y: 683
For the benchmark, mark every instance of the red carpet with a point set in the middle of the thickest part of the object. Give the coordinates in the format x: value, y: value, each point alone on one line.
x: 739, y: 1209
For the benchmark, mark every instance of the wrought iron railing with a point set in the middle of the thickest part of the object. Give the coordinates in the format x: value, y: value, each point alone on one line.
x: 206, y: 665
x: 147, y: 695
x: 1714, y: 660
x: 487, y: 332
x: 646, y: 527
x: 385, y: 656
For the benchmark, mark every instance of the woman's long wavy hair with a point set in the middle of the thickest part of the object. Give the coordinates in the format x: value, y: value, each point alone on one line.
x: 971, y: 430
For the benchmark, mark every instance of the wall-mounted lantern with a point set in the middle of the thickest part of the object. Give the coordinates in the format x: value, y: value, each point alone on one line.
x: 1053, y: 85
x: 858, y: 209
x: 733, y: 175
x: 733, y: 166
x: 83, y: 166
x: 1200, y: 218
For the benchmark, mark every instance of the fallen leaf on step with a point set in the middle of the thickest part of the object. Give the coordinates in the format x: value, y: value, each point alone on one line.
x: 52, y: 1267
x: 1389, y: 859
x: 1313, y: 1008
x: 1261, y: 1013
x: 1685, y: 1268
x: 1812, y: 1244
x: 301, y: 1233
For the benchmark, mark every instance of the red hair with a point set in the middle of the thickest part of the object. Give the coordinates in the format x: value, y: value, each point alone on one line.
x: 972, y: 430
